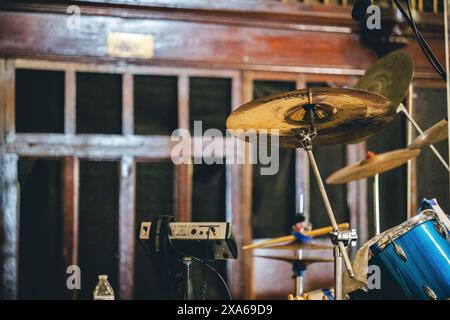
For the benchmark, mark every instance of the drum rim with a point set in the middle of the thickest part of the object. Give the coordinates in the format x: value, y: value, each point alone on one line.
x: 398, y: 231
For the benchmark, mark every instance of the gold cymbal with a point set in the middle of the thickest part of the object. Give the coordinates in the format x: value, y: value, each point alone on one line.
x: 433, y: 135
x: 372, y: 165
x: 340, y: 115
x: 389, y: 76
x: 299, y: 246
x: 290, y: 259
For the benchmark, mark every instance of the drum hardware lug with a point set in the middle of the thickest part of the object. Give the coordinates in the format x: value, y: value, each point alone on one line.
x: 441, y: 230
x: 430, y: 293
x: 399, y: 250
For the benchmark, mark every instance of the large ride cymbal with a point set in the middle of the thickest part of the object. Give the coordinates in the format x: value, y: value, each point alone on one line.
x: 372, y: 165
x: 340, y: 115
x: 291, y: 259
x: 389, y: 76
x: 435, y: 134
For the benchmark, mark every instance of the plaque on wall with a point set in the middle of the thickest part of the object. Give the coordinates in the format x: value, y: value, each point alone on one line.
x: 130, y: 45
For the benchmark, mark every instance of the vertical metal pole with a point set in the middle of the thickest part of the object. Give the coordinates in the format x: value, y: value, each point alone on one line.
x: 299, y: 284
x: 447, y: 60
x: 337, y: 273
x: 376, y: 203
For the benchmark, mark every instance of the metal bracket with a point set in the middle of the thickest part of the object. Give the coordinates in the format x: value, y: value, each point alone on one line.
x: 305, y: 136
x: 347, y: 237
x: 398, y: 250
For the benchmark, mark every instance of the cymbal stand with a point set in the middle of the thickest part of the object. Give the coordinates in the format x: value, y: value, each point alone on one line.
x: 305, y: 136
x: 376, y: 203
x: 402, y: 108
x: 298, y: 271
x: 346, y: 237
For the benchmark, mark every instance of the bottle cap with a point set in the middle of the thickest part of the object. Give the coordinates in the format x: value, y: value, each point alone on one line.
x: 103, y: 277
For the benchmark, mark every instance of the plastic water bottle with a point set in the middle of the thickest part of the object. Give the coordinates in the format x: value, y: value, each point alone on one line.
x: 103, y: 290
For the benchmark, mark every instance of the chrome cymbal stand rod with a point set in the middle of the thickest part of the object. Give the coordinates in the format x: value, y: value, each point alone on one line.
x: 329, y: 210
x: 376, y: 203
x: 402, y: 108
x: 298, y: 271
x: 298, y: 277
x: 337, y: 273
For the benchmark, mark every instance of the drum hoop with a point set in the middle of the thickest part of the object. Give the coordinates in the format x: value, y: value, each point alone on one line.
x: 401, y: 229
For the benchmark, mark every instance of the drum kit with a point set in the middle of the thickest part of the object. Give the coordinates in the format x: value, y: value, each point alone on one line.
x: 414, y: 256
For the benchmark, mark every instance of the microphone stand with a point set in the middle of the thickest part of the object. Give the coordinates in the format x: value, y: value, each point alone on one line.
x: 447, y: 57
x: 188, y: 287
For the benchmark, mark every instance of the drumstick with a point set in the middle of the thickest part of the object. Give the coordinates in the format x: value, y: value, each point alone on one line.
x: 325, y: 230
x: 267, y: 242
x: 313, y: 233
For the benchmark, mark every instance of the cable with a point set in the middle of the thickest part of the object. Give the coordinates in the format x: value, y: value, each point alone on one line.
x: 421, y: 40
x: 204, y: 289
x: 430, y: 55
x: 207, y: 265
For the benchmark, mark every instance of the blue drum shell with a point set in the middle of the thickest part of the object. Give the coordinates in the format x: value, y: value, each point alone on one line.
x: 427, y: 264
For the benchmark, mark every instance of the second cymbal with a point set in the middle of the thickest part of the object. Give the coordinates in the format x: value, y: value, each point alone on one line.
x: 435, y: 134
x: 389, y: 76
x: 372, y: 165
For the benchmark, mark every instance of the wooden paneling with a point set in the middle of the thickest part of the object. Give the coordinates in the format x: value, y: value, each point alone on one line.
x: 127, y: 229
x: 10, y: 225
x: 239, y: 187
x: 70, y: 102
x: 9, y: 189
x: 91, y: 146
x: 183, y: 172
x: 127, y: 105
x: 70, y: 198
x: 213, y: 44
x: 357, y: 195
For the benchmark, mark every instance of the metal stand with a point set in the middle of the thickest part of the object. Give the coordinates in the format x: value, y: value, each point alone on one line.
x: 188, y: 287
x: 376, y: 203
x: 337, y: 273
x: 298, y: 270
x: 447, y: 59
x: 305, y: 136
x: 402, y: 108
x: 346, y: 238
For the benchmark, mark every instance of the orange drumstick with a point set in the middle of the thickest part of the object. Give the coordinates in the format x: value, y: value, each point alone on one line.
x: 313, y: 233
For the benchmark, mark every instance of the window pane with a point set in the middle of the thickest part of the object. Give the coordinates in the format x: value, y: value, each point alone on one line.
x: 432, y: 178
x: 98, y: 225
x: 208, y: 205
x: 262, y: 88
x: 208, y: 194
x: 40, y: 268
x: 273, y: 198
x: 154, y: 196
x: 99, y: 103
x: 393, y: 195
x: 155, y: 105
x: 39, y: 101
x: 210, y: 102
x: 329, y: 159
